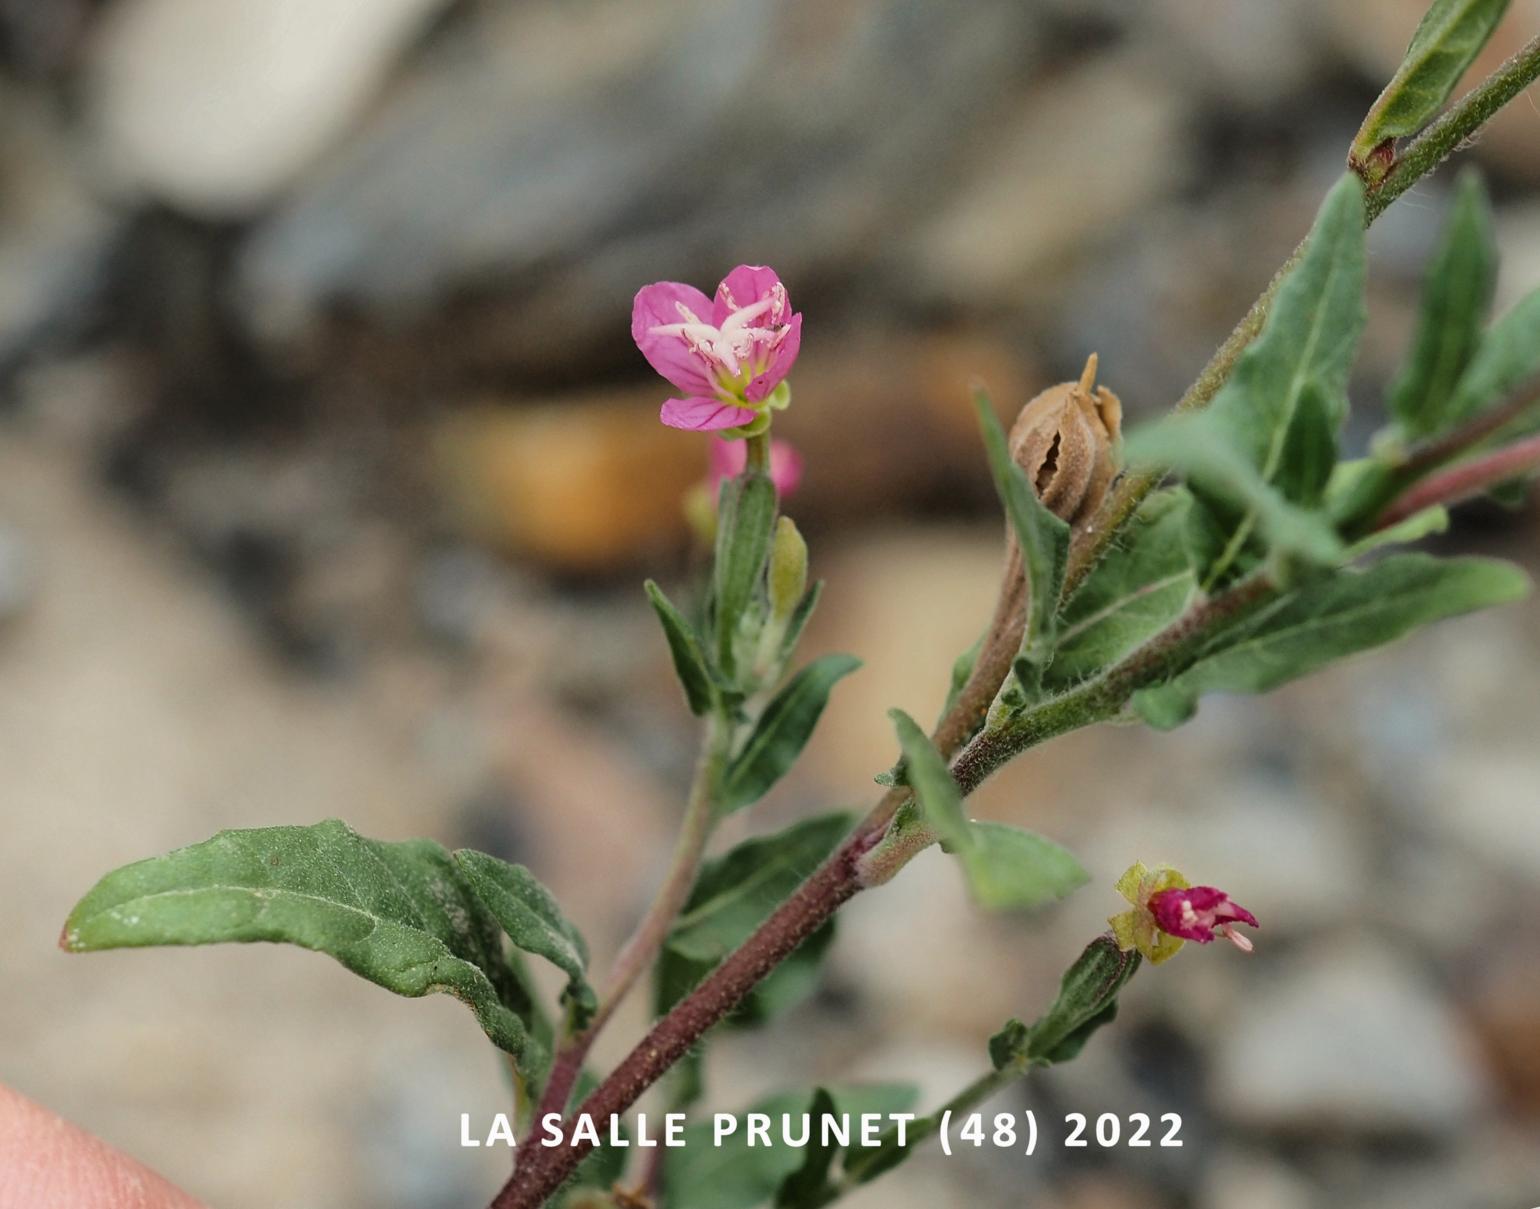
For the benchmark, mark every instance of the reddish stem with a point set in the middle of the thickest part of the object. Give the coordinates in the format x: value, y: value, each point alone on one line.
x: 1464, y: 481
x: 541, y: 1170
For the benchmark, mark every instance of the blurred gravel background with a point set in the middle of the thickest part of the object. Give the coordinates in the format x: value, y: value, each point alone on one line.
x: 328, y: 474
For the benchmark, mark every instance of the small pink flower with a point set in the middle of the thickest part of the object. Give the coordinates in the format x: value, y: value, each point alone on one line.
x: 728, y: 458
x: 1200, y: 913
x: 729, y: 355
x: 1166, y: 911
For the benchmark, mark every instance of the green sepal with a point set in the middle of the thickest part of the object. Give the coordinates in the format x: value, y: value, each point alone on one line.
x: 1086, y: 1001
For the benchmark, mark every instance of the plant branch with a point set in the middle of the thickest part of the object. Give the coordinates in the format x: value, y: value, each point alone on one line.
x: 1463, y: 481
x: 1420, y: 459
x: 1420, y: 157
x: 1457, y: 124
x: 541, y: 1170
x: 643, y: 945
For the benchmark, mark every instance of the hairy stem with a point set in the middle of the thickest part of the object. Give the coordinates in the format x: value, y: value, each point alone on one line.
x: 643, y: 945
x: 1464, y: 481
x: 1421, y: 459
x: 1420, y: 157
x: 1457, y: 124
x: 541, y: 1170
x: 757, y: 456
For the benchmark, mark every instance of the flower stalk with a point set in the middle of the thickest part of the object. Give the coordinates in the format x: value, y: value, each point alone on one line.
x: 639, y: 950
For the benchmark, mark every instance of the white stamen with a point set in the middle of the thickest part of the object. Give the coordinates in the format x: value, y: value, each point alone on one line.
x: 1243, y: 943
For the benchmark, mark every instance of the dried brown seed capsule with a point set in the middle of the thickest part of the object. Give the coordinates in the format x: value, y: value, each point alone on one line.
x: 1066, y: 439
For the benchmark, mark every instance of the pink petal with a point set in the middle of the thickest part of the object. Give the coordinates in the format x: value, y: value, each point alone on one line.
x: 1194, y: 912
x: 659, y: 304
x: 746, y: 285
x: 780, y: 365
x: 700, y: 414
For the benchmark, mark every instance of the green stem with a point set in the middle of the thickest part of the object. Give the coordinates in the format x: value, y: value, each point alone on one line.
x: 648, y: 937
x: 540, y: 1170
x: 1420, y: 157
x: 1458, y: 124
x: 539, y: 1173
x: 758, y: 453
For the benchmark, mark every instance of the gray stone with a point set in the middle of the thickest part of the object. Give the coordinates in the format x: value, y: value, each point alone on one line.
x: 214, y: 105
x: 1252, y: 1180
x: 1290, y: 857
x: 668, y: 139
x: 53, y: 235
x: 1350, y: 1041
x: 18, y: 577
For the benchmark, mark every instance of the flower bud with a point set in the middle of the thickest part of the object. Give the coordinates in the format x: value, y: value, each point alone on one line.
x: 787, y: 574
x: 1067, y: 442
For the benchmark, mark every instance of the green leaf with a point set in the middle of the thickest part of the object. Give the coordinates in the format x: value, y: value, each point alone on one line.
x: 1014, y: 870
x: 781, y: 732
x: 1508, y: 356
x: 401, y: 915
x: 734, y: 894
x: 1042, y: 536
x: 1447, y: 41
x: 745, y: 521
x: 533, y: 920
x: 1327, y: 619
x: 939, y: 798
x: 1456, y: 297
x: 1007, y: 868
x: 1431, y: 520
x: 1142, y: 585
x: 805, y: 1187
x: 735, y: 1175
x: 1358, y: 490
x: 684, y: 645
x: 1235, y: 498
x: 1269, y: 438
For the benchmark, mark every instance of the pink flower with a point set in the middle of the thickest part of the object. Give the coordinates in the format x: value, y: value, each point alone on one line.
x: 728, y: 458
x: 1166, y: 911
x: 729, y: 355
x: 1200, y: 913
